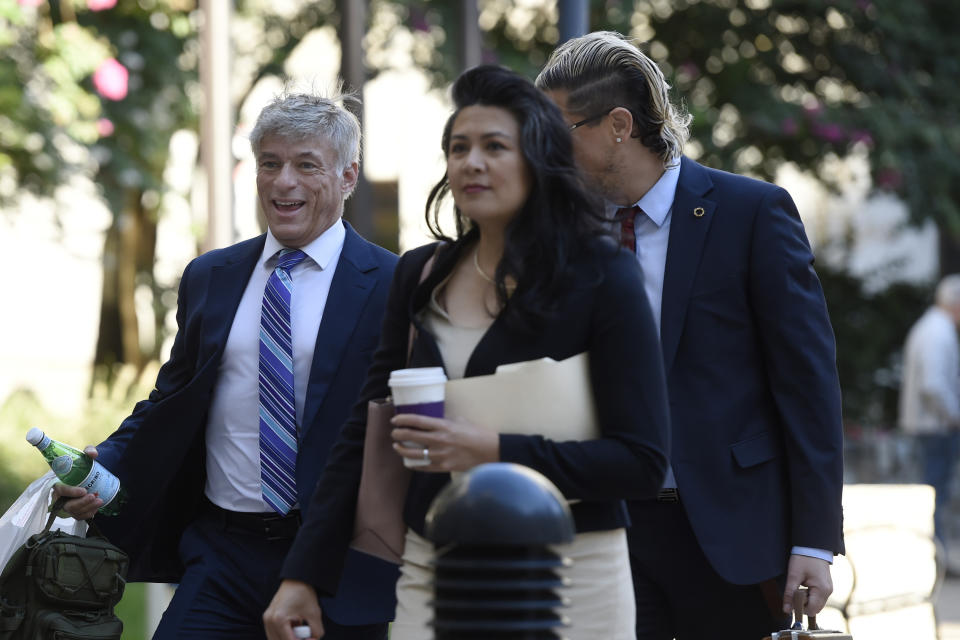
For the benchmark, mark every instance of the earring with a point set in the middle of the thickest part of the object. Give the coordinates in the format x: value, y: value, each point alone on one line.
x: 619, y: 140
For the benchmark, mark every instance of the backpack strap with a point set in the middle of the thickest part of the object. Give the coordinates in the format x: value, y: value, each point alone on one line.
x: 92, y: 529
x: 54, y: 510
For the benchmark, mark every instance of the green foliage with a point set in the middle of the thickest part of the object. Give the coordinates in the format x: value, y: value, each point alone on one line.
x: 273, y: 32
x: 520, y: 37
x: 771, y: 82
x: 44, y: 110
x: 18, y: 468
x: 774, y: 81
x: 811, y: 79
x: 158, y: 46
x: 768, y: 81
x: 132, y: 610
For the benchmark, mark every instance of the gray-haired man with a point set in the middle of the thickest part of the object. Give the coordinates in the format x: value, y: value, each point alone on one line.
x: 274, y: 338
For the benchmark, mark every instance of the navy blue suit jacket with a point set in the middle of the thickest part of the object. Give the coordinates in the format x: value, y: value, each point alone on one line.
x: 756, y: 435
x: 158, y: 451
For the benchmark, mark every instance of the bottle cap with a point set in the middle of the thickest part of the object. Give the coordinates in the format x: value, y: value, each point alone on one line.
x: 302, y: 631
x: 34, y: 436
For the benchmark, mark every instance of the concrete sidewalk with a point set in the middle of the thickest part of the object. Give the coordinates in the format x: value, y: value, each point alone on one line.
x: 948, y: 609
x: 948, y: 599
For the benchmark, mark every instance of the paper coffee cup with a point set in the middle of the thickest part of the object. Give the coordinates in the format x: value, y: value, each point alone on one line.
x: 419, y: 390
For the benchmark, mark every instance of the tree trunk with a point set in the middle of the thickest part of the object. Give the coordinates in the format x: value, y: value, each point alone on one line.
x: 128, y: 256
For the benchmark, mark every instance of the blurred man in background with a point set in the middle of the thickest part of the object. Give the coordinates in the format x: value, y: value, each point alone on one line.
x: 930, y: 393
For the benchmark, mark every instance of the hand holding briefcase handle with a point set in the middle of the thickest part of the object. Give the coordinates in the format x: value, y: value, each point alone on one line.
x: 812, y: 632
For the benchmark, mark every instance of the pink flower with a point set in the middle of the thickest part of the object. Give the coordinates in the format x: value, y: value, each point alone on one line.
x: 690, y: 69
x: 105, y: 127
x: 889, y: 178
x: 418, y: 20
x: 813, y: 108
x: 100, y: 5
x: 489, y: 56
x: 30, y: 3
x: 828, y: 131
x: 687, y: 73
x: 110, y: 80
x: 862, y: 136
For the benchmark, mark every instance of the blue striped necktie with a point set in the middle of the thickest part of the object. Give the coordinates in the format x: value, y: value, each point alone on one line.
x: 278, y: 410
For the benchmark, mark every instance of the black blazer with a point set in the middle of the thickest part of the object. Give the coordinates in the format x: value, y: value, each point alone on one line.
x: 604, y: 311
x: 158, y: 451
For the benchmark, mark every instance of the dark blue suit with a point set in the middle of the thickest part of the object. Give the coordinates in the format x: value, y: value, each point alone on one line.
x: 159, y: 451
x: 756, y: 436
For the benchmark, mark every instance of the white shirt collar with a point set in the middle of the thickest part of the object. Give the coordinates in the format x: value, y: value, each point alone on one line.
x: 656, y: 202
x: 322, y: 250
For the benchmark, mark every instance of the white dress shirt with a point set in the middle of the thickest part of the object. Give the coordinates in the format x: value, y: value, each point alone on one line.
x: 652, y: 232
x: 233, y: 425
x: 651, y: 229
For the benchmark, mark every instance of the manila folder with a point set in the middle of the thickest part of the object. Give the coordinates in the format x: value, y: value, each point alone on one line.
x: 543, y: 397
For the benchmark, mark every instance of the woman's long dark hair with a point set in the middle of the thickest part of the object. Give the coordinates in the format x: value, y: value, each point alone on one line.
x: 559, y: 215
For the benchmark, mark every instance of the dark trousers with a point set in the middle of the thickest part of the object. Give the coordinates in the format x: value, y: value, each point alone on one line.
x: 229, y: 580
x: 678, y: 593
x: 940, y: 452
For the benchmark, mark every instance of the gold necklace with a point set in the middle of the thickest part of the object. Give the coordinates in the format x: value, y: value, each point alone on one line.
x: 476, y: 263
x: 510, y: 286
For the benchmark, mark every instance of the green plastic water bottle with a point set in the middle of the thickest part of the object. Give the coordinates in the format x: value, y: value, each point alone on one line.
x: 77, y: 469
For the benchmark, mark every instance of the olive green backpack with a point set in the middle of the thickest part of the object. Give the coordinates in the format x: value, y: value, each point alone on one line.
x: 62, y: 587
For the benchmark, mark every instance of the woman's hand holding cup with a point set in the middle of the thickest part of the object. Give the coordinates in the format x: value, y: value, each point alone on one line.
x: 418, y: 391
x: 423, y: 437
x: 449, y: 445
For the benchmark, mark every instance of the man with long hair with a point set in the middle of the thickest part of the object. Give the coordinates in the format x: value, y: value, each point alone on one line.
x: 751, y: 505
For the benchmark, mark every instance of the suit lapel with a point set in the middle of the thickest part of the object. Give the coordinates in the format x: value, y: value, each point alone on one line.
x: 349, y: 290
x: 690, y: 221
x: 228, y: 280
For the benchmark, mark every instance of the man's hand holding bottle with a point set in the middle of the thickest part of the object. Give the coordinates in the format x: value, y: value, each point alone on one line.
x: 81, y: 505
x: 89, y: 485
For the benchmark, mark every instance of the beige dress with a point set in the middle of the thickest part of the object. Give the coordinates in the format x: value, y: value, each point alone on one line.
x: 600, y: 588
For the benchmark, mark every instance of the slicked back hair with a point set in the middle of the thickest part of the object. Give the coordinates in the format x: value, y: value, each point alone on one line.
x: 603, y: 70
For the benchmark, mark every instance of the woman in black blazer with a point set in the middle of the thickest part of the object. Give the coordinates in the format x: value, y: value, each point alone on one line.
x: 530, y: 273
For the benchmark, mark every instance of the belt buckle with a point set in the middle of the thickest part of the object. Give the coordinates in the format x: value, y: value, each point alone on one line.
x: 281, y: 527
x: 670, y: 494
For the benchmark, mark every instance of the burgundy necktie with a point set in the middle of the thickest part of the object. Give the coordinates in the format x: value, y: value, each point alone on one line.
x: 625, y: 216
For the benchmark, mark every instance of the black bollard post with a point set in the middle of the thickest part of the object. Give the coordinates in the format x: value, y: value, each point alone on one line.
x: 496, y: 577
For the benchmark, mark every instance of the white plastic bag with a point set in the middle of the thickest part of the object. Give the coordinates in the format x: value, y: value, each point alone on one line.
x: 28, y: 515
